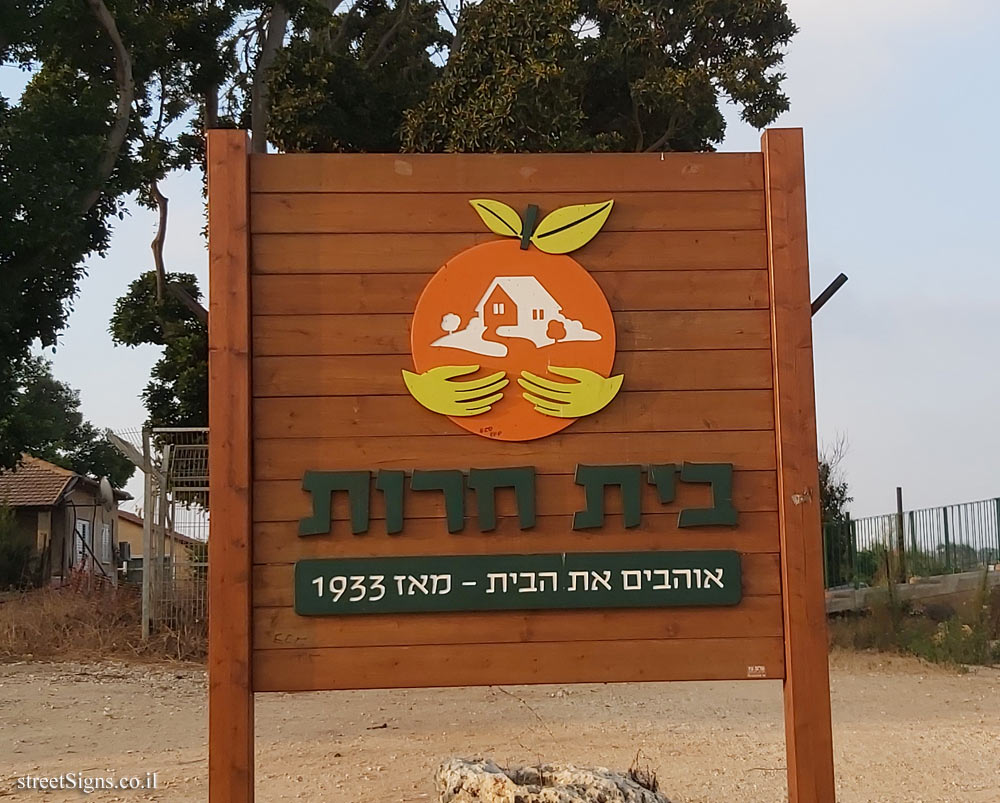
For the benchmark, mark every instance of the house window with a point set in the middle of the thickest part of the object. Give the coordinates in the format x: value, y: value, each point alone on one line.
x: 498, y: 308
x: 105, y: 543
x: 541, y: 315
x: 84, y: 539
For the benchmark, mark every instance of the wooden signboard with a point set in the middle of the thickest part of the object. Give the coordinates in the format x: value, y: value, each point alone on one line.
x: 505, y: 419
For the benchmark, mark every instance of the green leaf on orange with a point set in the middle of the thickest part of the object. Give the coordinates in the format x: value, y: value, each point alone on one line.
x: 498, y: 217
x: 571, y: 227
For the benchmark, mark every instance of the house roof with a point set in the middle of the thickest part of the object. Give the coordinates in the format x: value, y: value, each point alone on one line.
x: 525, y: 291
x: 173, y: 534
x: 39, y: 483
x: 34, y: 483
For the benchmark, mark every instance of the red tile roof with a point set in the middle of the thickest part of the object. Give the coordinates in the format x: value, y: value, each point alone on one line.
x: 34, y: 483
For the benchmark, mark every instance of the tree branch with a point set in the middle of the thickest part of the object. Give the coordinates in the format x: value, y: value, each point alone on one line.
x: 163, y: 287
x: 388, y: 36
x: 126, y: 93
x: 182, y: 295
x: 159, y: 240
x: 671, y: 130
x: 639, y: 135
x: 260, y: 101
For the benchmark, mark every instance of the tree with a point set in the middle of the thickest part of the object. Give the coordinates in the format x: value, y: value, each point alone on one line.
x: 101, y: 117
x: 834, y: 499
x: 46, y: 421
x: 177, y: 394
x: 343, y: 81
x: 614, y: 75
x: 833, y: 487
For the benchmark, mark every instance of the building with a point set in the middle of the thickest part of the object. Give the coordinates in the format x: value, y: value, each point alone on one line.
x: 178, y: 548
x: 61, y: 520
x: 518, y: 306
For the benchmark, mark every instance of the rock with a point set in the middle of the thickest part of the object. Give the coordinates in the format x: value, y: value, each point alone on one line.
x: 483, y: 781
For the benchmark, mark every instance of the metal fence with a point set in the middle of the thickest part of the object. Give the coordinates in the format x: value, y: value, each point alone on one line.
x: 933, y: 541
x: 173, y: 567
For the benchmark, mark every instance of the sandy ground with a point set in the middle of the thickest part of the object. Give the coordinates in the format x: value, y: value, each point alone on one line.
x: 904, y: 731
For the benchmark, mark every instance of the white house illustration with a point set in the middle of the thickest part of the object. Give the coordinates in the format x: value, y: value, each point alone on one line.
x: 514, y: 306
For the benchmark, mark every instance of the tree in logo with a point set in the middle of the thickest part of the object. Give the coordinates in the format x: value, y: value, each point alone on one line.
x: 516, y: 307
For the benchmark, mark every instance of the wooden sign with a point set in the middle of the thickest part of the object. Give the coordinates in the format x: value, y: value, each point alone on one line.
x: 484, y: 419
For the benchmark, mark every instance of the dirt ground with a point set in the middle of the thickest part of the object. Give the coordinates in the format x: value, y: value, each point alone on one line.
x: 904, y: 731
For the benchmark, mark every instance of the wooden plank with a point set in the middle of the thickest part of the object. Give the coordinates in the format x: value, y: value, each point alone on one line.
x: 556, y: 495
x: 746, y: 369
x: 284, y: 459
x: 282, y: 628
x: 341, y: 294
x: 423, y: 253
x: 230, y: 707
x: 494, y: 173
x: 808, y: 735
x: 303, y: 335
x: 394, y: 416
x: 279, y: 542
x: 424, y: 213
x: 498, y: 664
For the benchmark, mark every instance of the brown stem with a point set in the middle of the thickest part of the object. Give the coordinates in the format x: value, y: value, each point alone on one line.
x: 639, y: 136
x: 126, y: 93
x: 388, y: 36
x: 189, y: 301
x: 671, y: 130
x: 159, y: 240
x: 260, y: 101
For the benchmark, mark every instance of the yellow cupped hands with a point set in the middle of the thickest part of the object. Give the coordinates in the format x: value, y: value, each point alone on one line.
x: 588, y: 393
x: 436, y: 391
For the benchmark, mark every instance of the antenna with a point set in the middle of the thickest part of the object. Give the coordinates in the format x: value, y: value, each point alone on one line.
x: 107, y: 495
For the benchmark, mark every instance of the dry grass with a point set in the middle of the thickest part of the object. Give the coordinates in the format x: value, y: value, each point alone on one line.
x: 67, y: 624
x: 955, y: 633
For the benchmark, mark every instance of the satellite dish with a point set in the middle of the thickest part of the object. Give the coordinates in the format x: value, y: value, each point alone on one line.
x: 107, y: 494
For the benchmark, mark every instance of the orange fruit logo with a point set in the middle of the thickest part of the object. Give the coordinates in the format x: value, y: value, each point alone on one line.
x: 512, y: 339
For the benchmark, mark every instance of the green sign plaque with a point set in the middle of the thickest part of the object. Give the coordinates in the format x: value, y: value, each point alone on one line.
x: 517, y: 582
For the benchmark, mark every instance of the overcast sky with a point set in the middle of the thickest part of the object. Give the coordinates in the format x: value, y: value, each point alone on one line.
x: 898, y: 102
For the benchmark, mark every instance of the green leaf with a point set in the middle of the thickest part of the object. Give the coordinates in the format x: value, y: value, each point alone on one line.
x: 498, y: 217
x: 571, y: 227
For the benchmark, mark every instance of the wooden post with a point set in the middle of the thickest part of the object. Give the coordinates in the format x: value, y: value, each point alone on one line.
x: 230, y: 698
x: 808, y: 736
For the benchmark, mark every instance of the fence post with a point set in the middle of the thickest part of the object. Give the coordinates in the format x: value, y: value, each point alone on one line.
x: 914, y: 549
x: 900, y: 537
x: 147, y: 531
x: 852, y: 532
x: 947, y: 541
x: 997, y: 501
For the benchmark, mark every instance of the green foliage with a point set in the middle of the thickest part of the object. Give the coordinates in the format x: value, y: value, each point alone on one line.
x: 833, y: 491
x: 342, y: 81
x: 17, y: 565
x: 59, y: 195
x: 177, y: 394
x: 610, y: 75
x: 44, y: 420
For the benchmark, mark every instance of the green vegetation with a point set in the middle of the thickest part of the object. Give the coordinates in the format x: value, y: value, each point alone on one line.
x: 17, y: 565
x: 45, y: 420
x: 965, y: 634
x: 120, y: 93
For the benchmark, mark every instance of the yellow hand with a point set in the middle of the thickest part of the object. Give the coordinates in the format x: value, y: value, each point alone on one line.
x: 434, y: 390
x: 588, y: 394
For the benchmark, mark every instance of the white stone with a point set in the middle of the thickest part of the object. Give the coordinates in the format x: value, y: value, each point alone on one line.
x: 483, y: 781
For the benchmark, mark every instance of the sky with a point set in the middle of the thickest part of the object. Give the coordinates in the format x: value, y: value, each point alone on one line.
x: 902, y: 176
